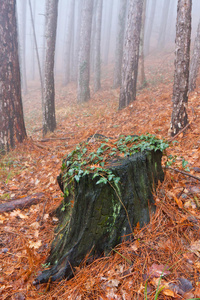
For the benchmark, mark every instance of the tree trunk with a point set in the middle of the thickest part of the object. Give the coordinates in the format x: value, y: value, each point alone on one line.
x: 120, y: 43
x: 142, y: 78
x: 12, y: 127
x: 148, y: 30
x: 97, y: 47
x: 163, y: 25
x: 107, y: 32
x: 49, y: 118
x: 179, y: 117
x: 23, y: 26
x: 93, y: 34
x: 131, y: 54
x: 77, y: 40
x: 69, y: 37
x: 32, y: 45
x: 102, y: 215
x: 37, y: 53
x: 84, y: 52
x: 195, y: 62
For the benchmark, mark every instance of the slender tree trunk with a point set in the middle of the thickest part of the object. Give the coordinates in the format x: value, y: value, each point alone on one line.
x: 69, y: 39
x: 142, y: 78
x: 77, y: 41
x: 32, y: 46
x: 131, y: 54
x: 49, y: 118
x: 163, y: 26
x: 93, y: 35
x: 24, y: 77
x: 37, y: 52
x: 97, y: 47
x: 195, y: 62
x: 84, y: 52
x: 179, y: 117
x: 120, y: 43
x: 108, y: 31
x: 12, y: 127
x: 148, y: 30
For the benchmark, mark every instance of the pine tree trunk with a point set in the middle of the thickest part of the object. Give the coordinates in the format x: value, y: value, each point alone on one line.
x: 131, y: 54
x: 12, y: 127
x: 142, y: 78
x: 195, y: 62
x: 163, y: 25
x: 37, y: 53
x: 107, y: 32
x: 23, y: 25
x: 84, y: 52
x: 77, y: 41
x: 69, y: 39
x: 179, y: 117
x: 93, y: 34
x: 120, y: 43
x: 49, y: 118
x: 32, y: 46
x: 97, y: 47
x: 148, y: 30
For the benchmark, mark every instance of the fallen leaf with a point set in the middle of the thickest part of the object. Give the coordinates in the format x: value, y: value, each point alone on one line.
x: 158, y: 270
x: 18, y: 213
x: 35, y: 225
x: 195, y: 248
x: 35, y: 245
x: 168, y: 292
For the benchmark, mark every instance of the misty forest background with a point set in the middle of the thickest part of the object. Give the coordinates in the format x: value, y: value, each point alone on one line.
x: 159, y: 35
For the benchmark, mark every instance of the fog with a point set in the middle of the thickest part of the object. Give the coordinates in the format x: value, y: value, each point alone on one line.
x: 29, y: 66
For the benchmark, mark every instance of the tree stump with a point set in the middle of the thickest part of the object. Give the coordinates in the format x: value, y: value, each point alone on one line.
x: 95, y: 218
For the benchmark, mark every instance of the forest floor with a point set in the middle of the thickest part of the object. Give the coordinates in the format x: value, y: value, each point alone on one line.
x: 168, y: 246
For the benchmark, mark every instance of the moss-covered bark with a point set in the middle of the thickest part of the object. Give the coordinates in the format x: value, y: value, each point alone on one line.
x: 97, y: 222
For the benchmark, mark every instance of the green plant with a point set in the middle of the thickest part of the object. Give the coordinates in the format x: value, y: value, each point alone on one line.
x: 83, y: 161
x: 45, y: 266
x: 158, y: 291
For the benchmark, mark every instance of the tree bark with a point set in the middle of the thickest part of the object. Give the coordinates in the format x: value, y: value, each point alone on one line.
x: 120, y: 43
x: 131, y: 54
x: 102, y: 215
x: 163, y: 25
x: 12, y: 127
x: 37, y: 53
x: 23, y: 30
x: 21, y: 203
x: 32, y: 45
x: 49, y: 118
x: 148, y: 30
x: 97, y: 47
x: 107, y: 32
x: 77, y: 41
x: 179, y: 117
x: 142, y: 78
x: 195, y: 62
x: 69, y: 39
x: 84, y: 52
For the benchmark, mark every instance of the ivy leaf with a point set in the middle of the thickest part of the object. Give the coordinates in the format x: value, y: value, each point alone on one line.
x: 102, y: 180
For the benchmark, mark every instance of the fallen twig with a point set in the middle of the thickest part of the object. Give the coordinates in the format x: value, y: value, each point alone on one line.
x: 53, y: 139
x: 184, y: 173
x: 21, y: 203
x: 175, y: 136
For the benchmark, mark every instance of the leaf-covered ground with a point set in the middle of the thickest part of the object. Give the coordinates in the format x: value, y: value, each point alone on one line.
x: 168, y: 246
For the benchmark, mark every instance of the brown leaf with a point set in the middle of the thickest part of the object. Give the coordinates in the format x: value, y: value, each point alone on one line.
x: 158, y: 270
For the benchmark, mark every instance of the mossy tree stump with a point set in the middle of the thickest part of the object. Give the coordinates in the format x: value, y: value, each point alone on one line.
x: 94, y: 218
